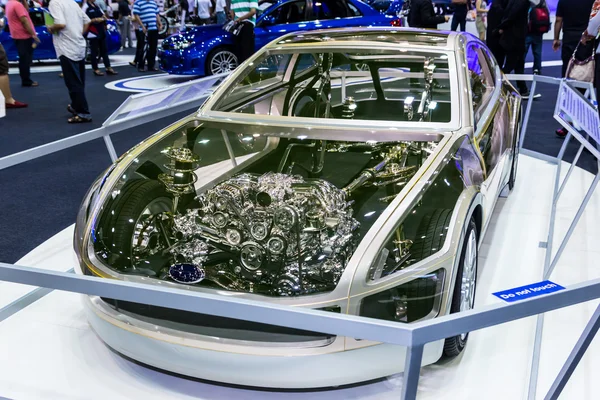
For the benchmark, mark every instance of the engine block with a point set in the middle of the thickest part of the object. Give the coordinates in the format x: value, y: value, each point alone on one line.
x: 274, y: 234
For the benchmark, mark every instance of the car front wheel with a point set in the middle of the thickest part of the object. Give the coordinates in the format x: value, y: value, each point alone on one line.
x: 464, y: 288
x: 221, y: 60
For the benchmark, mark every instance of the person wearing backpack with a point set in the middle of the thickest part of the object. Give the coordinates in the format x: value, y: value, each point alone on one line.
x: 572, y: 18
x: 539, y: 24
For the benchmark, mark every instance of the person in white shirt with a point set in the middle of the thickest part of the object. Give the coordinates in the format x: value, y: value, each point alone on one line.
x: 70, y: 23
x: 203, y: 11
x: 220, y: 11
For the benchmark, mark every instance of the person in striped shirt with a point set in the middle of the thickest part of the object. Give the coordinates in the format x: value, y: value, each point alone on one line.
x: 244, y: 12
x: 146, y: 15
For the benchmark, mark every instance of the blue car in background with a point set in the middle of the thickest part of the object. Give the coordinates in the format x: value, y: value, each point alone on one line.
x: 45, y: 50
x: 208, y: 50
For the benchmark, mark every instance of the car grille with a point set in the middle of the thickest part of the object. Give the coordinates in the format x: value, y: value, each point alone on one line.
x: 225, y: 328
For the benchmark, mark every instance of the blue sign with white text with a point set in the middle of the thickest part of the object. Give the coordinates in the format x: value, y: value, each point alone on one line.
x: 527, y: 291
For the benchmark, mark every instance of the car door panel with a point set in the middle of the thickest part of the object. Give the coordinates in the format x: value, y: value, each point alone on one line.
x: 288, y: 17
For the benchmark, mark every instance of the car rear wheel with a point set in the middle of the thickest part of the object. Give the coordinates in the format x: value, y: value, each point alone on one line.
x: 221, y: 60
x: 164, y: 31
x: 463, y: 298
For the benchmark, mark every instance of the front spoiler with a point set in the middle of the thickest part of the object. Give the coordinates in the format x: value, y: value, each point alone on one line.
x: 302, y: 368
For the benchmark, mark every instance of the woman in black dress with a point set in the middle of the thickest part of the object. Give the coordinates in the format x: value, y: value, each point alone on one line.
x: 97, y: 38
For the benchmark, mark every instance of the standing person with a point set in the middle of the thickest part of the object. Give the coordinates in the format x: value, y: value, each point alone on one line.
x: 203, y: 11
x: 244, y: 12
x: 422, y: 15
x: 461, y: 9
x: 494, y: 18
x: 592, y: 31
x: 513, y: 32
x: 481, y: 10
x: 103, y: 7
x: 125, y: 23
x: 184, y: 7
x: 97, y: 38
x: 572, y: 17
x: 139, y: 44
x: 9, y: 101
x: 535, y: 36
x: 147, y: 16
x: 24, y: 37
x: 70, y: 23
x: 220, y: 11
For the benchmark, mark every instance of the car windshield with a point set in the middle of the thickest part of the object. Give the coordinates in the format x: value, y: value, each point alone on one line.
x: 396, y: 85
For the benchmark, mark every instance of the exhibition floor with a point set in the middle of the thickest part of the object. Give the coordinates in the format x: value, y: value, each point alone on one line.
x: 53, y: 353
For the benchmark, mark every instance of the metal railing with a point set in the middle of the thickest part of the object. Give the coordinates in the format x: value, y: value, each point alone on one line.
x: 414, y: 336
x: 137, y: 109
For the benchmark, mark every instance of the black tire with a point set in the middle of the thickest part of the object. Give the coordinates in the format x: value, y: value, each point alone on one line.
x: 515, y: 161
x: 214, y: 55
x: 431, y: 234
x: 164, y: 32
x: 135, y: 197
x: 430, y: 239
x: 304, y: 104
x: 453, y: 346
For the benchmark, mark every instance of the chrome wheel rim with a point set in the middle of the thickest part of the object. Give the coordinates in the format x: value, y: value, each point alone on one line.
x: 146, y: 227
x: 223, y: 61
x: 469, y: 276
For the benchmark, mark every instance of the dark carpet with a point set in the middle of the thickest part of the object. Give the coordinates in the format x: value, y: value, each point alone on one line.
x: 41, y: 197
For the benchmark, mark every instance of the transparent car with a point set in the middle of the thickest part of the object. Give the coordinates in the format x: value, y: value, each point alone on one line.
x: 353, y: 171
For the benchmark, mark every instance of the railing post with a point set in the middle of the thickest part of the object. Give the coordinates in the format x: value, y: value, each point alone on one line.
x: 412, y: 369
x: 528, y: 112
x: 548, y: 271
x: 576, y: 354
x: 110, y: 147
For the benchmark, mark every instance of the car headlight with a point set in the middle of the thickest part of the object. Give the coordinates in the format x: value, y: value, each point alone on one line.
x: 409, y: 302
x: 184, y: 44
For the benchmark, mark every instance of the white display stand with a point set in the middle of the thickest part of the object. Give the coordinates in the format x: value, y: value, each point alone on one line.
x: 52, y: 341
x: 2, y: 106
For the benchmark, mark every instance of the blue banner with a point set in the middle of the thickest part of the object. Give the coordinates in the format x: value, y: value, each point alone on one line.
x: 528, y: 291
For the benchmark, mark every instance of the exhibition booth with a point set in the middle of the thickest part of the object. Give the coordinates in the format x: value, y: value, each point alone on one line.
x: 333, y: 219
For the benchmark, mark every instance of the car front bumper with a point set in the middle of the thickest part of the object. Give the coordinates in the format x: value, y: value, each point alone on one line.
x: 307, y: 365
x: 180, y: 62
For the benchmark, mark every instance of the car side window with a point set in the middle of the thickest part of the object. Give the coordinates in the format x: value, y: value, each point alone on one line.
x: 37, y: 17
x: 353, y: 10
x: 481, y: 79
x: 290, y: 13
x: 330, y: 9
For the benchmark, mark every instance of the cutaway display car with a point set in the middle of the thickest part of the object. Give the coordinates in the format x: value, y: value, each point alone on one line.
x: 353, y: 171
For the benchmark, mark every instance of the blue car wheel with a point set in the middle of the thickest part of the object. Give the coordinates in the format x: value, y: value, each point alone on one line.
x: 220, y: 60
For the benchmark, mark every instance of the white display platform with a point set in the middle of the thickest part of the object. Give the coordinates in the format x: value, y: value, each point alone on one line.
x: 48, y: 350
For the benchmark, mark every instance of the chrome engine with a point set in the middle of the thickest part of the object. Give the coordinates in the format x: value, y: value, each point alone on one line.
x: 277, y: 234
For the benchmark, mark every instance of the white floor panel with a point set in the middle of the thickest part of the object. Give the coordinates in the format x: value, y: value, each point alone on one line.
x: 53, y: 354
x: 55, y: 254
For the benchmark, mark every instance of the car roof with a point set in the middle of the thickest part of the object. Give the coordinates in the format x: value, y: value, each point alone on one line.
x: 382, y: 36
